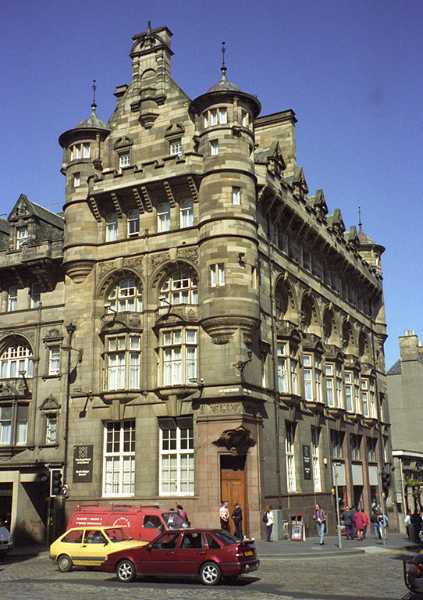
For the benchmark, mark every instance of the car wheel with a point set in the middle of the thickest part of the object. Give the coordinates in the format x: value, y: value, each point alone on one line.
x: 64, y: 562
x: 210, y: 573
x: 126, y: 571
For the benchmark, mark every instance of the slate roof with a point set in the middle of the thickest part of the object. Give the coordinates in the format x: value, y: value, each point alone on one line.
x: 4, y: 226
x: 47, y: 215
x: 92, y: 121
x: 224, y: 85
x: 395, y: 369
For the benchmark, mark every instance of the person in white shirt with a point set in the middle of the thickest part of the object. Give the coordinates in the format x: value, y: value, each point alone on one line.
x: 224, y: 516
x: 268, y: 521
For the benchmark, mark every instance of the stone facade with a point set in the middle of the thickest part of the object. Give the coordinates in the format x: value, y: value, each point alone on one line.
x: 405, y: 380
x: 223, y: 332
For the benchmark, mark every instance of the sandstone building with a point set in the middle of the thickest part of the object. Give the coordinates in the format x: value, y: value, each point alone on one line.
x: 199, y: 326
x: 405, y: 380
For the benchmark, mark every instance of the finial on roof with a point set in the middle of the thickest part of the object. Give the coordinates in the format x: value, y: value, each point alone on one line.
x: 360, y: 224
x: 148, y: 26
x: 93, y: 104
x: 223, y: 68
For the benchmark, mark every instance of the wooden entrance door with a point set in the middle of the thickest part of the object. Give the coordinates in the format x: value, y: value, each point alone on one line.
x: 233, y: 486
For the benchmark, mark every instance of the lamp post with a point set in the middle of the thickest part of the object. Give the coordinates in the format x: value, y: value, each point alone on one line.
x: 70, y: 328
x: 338, y: 516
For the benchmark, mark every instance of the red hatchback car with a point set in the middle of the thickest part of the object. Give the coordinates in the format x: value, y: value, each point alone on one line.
x: 206, y: 553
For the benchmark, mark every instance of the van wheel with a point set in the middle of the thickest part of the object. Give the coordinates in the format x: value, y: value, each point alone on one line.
x: 126, y: 571
x: 64, y: 562
x: 210, y: 573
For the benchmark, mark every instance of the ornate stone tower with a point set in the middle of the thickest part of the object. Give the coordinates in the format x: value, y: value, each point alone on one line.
x: 82, y: 160
x: 224, y: 118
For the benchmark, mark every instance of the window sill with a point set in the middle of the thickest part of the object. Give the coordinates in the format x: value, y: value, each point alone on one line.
x: 121, y: 395
x: 57, y: 376
x: 43, y: 446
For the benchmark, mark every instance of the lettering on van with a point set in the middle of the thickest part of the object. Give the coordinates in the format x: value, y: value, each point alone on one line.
x: 83, y: 463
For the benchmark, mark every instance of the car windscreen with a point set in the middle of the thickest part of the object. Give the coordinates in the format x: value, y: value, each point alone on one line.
x: 226, y: 538
x: 117, y: 534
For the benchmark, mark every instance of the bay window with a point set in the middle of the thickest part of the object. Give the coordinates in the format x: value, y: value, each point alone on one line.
x: 178, y: 349
x: 186, y: 214
x: 179, y: 288
x: 287, y: 369
x: 349, y: 391
x: 125, y: 296
x: 364, y: 387
x: 13, y: 424
x: 371, y: 450
x: 54, y: 360
x: 330, y: 383
x: 14, y: 361
x: 176, y: 474
x: 123, y: 362
x: 291, y: 478
x: 119, y: 459
x: 133, y: 222
x: 337, y: 444
x: 12, y: 299
x: 312, y: 378
x: 217, y: 275
x: 339, y: 388
x: 163, y: 217
x: 111, y: 228
x: 315, y: 457
x: 355, y: 441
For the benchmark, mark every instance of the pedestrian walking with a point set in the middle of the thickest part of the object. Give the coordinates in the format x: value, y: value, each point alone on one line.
x: 182, y: 515
x: 224, y: 516
x: 237, y: 519
x: 268, y: 520
x: 348, y: 522
x: 416, y: 524
x: 374, y: 519
x: 359, y: 520
x: 319, y: 517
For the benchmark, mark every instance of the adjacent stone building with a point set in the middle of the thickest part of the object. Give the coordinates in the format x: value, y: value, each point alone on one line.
x: 207, y: 330
x: 405, y: 383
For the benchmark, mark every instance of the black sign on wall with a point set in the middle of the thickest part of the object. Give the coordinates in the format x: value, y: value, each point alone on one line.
x: 306, y: 462
x: 83, y: 464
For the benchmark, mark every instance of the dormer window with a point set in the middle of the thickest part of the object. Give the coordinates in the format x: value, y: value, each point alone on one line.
x: 175, y: 147
x: 78, y: 151
x: 124, y: 160
x: 22, y: 235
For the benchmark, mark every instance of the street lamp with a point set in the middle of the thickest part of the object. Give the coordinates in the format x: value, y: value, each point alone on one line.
x: 70, y: 328
x: 338, y: 516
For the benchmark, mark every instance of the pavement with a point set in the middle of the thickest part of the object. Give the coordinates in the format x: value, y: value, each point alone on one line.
x: 310, y: 548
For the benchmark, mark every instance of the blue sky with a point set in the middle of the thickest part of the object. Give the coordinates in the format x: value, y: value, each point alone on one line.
x: 351, y: 70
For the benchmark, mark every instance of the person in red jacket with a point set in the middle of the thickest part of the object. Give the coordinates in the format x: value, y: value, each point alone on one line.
x: 361, y: 521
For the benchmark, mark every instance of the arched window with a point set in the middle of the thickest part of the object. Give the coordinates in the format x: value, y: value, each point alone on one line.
x: 179, y: 288
x: 125, y: 296
x: 15, y: 360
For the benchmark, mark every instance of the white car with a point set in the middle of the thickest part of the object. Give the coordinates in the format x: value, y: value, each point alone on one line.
x: 6, y: 541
